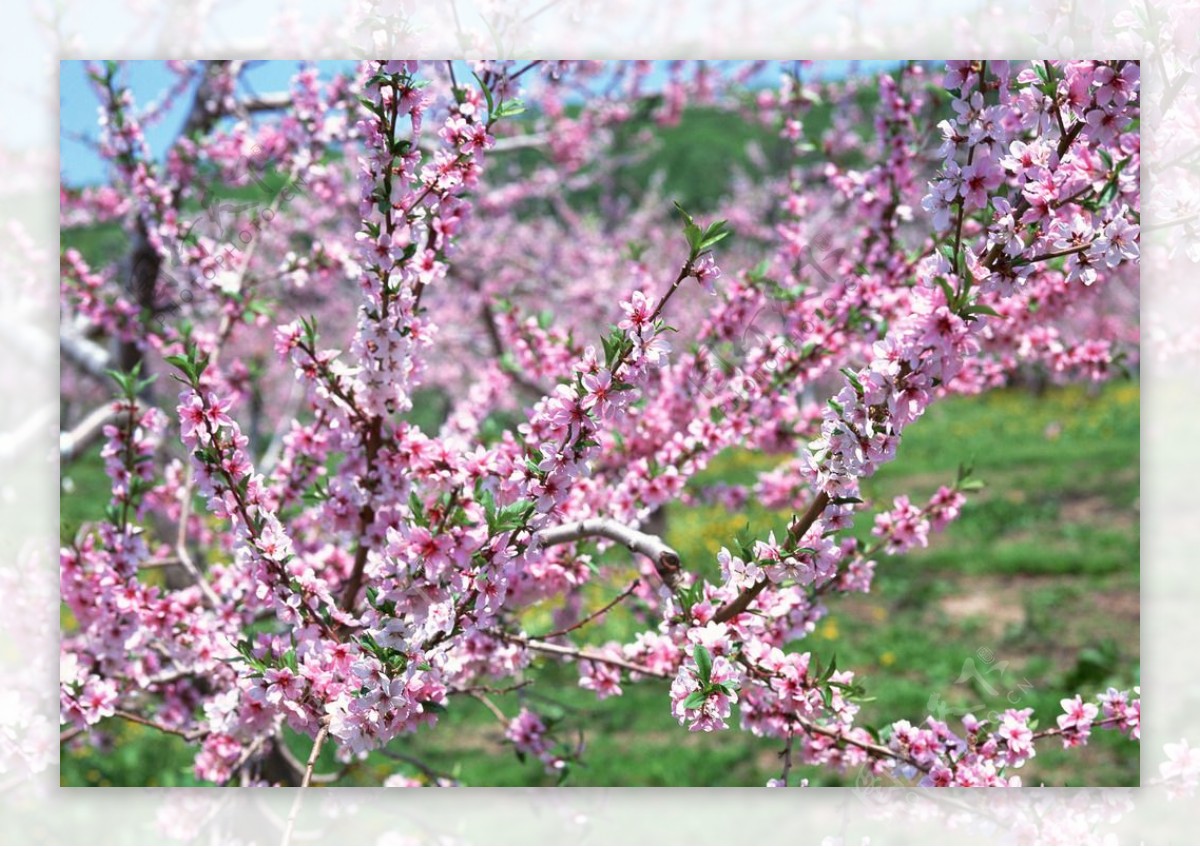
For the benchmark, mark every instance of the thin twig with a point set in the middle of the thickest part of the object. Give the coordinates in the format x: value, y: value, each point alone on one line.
x: 246, y: 756
x: 578, y: 653
x: 181, y: 550
x: 487, y: 689
x: 519, y: 73
x: 1056, y: 255
x: 187, y: 735
x: 433, y: 775
x: 594, y: 615
x: 312, y: 761
x: 1056, y: 730
x: 786, y: 755
x: 1062, y: 128
x: 492, y: 707
x: 297, y: 767
x: 877, y: 750
x: 318, y: 742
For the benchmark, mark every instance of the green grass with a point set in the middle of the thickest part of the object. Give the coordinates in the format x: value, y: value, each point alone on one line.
x: 1035, y: 587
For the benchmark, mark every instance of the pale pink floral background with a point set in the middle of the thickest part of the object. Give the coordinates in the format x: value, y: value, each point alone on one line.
x: 1162, y: 34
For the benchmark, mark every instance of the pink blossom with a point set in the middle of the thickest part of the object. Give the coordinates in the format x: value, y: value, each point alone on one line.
x: 1076, y: 721
x: 705, y: 270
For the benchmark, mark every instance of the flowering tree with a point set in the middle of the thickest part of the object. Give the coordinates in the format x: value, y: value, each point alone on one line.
x: 352, y: 574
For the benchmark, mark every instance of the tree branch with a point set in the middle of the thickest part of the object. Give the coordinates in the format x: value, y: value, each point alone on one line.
x: 188, y: 736
x: 318, y: 742
x: 271, y: 102
x: 72, y: 443
x: 795, y: 532
x: 493, y: 334
x: 304, y: 771
x: 666, y: 560
x: 93, y: 359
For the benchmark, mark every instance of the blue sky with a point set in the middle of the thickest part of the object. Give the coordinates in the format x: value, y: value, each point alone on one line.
x: 150, y: 79
x: 147, y: 80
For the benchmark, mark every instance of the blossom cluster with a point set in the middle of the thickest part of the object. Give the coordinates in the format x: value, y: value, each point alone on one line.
x: 982, y: 756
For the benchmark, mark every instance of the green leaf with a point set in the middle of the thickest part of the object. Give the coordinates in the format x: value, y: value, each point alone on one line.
x: 759, y: 272
x: 691, y: 231
x: 510, y: 108
x: 943, y: 284
x: 695, y: 700
x: 487, y: 95
x: 714, y: 233
x: 703, y: 663
x: 744, y: 541
x: 180, y: 362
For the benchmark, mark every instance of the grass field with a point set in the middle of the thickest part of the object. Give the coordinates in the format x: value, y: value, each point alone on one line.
x: 1031, y: 595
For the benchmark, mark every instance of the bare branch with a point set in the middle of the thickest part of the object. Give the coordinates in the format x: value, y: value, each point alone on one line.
x: 519, y: 142
x: 304, y: 771
x: 493, y: 334
x: 93, y: 359
x: 491, y: 707
x: 666, y: 560
x: 188, y: 736
x: 318, y: 742
x: 305, y: 780
x: 71, y: 444
x: 271, y: 102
